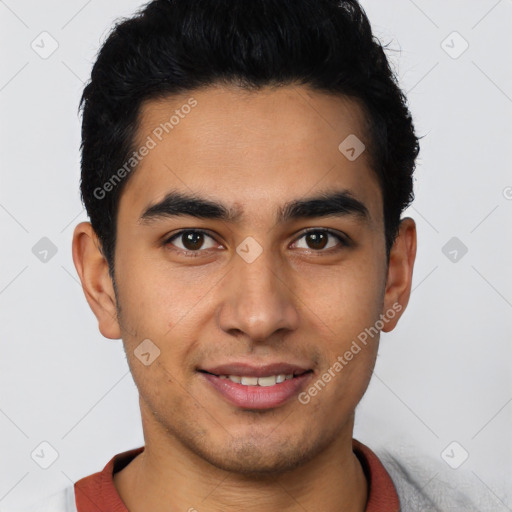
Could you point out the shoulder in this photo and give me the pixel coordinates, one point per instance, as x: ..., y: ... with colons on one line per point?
x: 426, y: 485
x: 62, y: 501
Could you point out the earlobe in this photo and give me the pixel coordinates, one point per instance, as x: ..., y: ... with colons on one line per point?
x: 399, y: 276
x: 92, y: 268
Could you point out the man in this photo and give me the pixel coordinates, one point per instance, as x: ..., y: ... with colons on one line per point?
x: 244, y: 167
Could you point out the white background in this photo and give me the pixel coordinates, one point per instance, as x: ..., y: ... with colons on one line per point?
x: 443, y: 375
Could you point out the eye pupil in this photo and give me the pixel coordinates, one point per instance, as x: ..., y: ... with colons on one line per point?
x: 194, y: 238
x: 317, y: 237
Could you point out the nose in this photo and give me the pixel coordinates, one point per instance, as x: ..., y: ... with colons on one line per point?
x: 258, y: 298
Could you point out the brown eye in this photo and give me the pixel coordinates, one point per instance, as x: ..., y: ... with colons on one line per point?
x: 191, y: 240
x: 318, y: 239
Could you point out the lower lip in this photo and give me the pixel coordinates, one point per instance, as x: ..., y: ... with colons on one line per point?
x: 258, y: 397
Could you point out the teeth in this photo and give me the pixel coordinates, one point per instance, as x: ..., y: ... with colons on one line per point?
x: 267, y: 381
x: 271, y: 380
x: 249, y: 381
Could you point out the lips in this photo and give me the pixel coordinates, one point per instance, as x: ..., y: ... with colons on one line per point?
x: 259, y: 387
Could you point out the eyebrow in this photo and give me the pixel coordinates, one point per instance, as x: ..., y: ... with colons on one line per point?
x: 339, y: 203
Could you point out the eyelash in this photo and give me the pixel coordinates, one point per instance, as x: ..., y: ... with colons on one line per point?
x: 344, y: 242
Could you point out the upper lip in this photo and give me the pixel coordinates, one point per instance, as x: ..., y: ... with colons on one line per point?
x: 244, y: 369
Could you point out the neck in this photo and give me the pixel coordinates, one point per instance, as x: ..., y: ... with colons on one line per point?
x: 167, y: 477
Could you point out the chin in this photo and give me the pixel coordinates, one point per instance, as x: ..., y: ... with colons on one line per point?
x: 260, y: 459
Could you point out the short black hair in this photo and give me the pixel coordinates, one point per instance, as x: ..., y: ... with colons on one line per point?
x: 176, y: 46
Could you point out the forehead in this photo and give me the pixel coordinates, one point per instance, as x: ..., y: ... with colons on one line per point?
x: 252, y: 149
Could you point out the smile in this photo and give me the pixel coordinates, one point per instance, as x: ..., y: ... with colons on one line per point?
x: 265, y: 392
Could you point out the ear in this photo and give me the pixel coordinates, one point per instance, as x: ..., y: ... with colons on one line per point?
x: 92, y: 268
x: 399, y: 276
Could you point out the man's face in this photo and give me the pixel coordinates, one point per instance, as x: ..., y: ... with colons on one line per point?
x: 255, y: 290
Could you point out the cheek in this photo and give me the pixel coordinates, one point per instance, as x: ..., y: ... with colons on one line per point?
x: 157, y: 304
x: 345, y: 298
x: 160, y: 389
x: 346, y: 309
x: 155, y: 296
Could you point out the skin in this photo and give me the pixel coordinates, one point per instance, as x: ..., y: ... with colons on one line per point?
x: 297, y: 301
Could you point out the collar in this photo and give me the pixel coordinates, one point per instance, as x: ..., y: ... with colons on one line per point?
x: 97, y: 493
